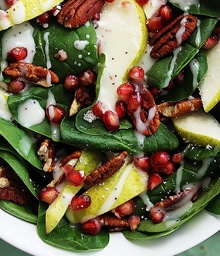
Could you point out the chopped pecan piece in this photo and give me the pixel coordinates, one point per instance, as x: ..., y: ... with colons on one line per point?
x: 14, y: 194
x: 75, y: 13
x: 4, y: 182
x: 107, y: 170
x: 34, y: 74
x: 172, y: 35
x: 179, y: 108
x: 146, y: 119
x: 113, y: 222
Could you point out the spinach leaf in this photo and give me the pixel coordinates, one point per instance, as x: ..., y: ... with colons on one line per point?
x: 204, y: 7
x: 21, y: 142
x: 69, y: 237
x: 24, y: 212
x: 199, y: 153
x: 214, y: 206
x: 168, y: 67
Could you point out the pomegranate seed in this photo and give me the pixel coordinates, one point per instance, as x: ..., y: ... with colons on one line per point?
x: 168, y: 168
x: 9, y: 2
x: 134, y: 221
x: 124, y: 209
x: 134, y: 102
x: 111, y: 120
x: 75, y: 177
x: 154, y: 24
x: 125, y: 90
x: 55, y: 113
x: 16, y: 86
x: 91, y: 227
x: 121, y: 108
x: 166, y: 13
x: 136, y: 74
x: 154, y: 180
x: 17, y: 54
x: 86, y: 78
x: 159, y: 159
x: 142, y: 163
x: 211, y: 41
x: 157, y: 215
x: 142, y: 2
x: 48, y: 194
x: 44, y: 19
x: 155, y: 91
x: 179, y: 78
x: 177, y: 158
x: 80, y: 202
x: 61, y: 55
x: 97, y: 110
x: 70, y: 82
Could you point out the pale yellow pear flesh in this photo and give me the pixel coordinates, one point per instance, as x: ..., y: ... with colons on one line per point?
x: 210, y: 86
x: 199, y: 128
x: 123, y: 38
x: 125, y: 184
x: 24, y: 10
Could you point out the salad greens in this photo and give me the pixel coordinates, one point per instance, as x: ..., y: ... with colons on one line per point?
x: 19, y: 144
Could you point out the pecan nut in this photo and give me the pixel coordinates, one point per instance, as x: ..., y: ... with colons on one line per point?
x: 179, y: 108
x: 172, y: 35
x: 146, y: 118
x: 75, y: 13
x: 113, y: 223
x: 107, y: 170
x: 34, y: 74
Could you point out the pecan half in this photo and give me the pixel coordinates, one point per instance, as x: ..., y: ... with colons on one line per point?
x: 34, y: 74
x: 172, y: 35
x: 146, y: 118
x: 113, y: 223
x: 179, y: 108
x: 14, y: 194
x: 75, y: 13
x: 107, y: 170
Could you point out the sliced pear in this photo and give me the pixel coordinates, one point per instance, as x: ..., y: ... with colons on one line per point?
x: 24, y: 10
x: 123, y: 39
x: 125, y: 184
x: 210, y: 85
x: 88, y: 161
x: 4, y: 111
x: 198, y: 127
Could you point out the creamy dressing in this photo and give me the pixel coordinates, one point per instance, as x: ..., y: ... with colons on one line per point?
x: 81, y: 44
x: 4, y: 111
x: 25, y: 145
x: 181, y: 31
x: 30, y: 113
x: 194, y: 67
x: 146, y: 200
x: 198, y: 34
x: 179, y: 173
x: 202, y: 170
x: 186, y: 4
x: 152, y: 6
x: 46, y: 39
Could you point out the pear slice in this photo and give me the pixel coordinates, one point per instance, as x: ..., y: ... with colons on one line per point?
x: 24, y: 10
x: 88, y: 161
x: 125, y: 184
x: 123, y: 38
x: 210, y: 85
x: 198, y: 127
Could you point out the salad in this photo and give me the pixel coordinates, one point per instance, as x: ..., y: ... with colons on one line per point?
x: 109, y: 117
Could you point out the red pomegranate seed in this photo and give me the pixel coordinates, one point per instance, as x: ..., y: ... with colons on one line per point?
x: 159, y: 159
x: 142, y: 163
x: 48, y: 194
x: 44, y: 19
x: 154, y: 24
x: 121, y: 108
x: 17, y: 54
x: 168, y: 168
x: 134, y: 102
x: 177, y: 158
x: 157, y: 215
x: 55, y: 113
x: 166, y: 13
x: 125, y: 90
x: 136, y: 74
x: 142, y: 2
x: 134, y: 221
x: 97, y: 110
x: 211, y: 41
x: 80, y: 202
x: 16, y: 86
x: 9, y: 2
x: 71, y: 82
x: 154, y: 180
x: 75, y: 177
x: 155, y: 91
x: 124, y: 209
x: 86, y: 78
x: 91, y: 227
x: 111, y: 121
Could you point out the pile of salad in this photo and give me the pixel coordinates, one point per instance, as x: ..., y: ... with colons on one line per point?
x: 111, y: 125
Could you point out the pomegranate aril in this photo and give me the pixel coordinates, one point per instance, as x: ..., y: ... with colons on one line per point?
x: 92, y: 226
x: 159, y: 159
x: 17, y: 54
x: 166, y: 13
x: 154, y: 180
x: 157, y: 215
x: 44, y: 19
x: 177, y: 158
x: 124, y: 209
x: 142, y: 2
x: 134, y: 221
x: 211, y: 41
x: 142, y: 163
x: 9, y: 2
x: 71, y: 82
x: 97, y: 110
x: 121, y: 108
x: 134, y: 102
x: 136, y: 74
x: 168, y: 168
x: 80, y: 202
x: 55, y: 113
x: 86, y: 78
x: 154, y: 24
x: 16, y: 86
x: 111, y: 120
x: 48, y: 194
x: 125, y: 90
x: 75, y: 177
